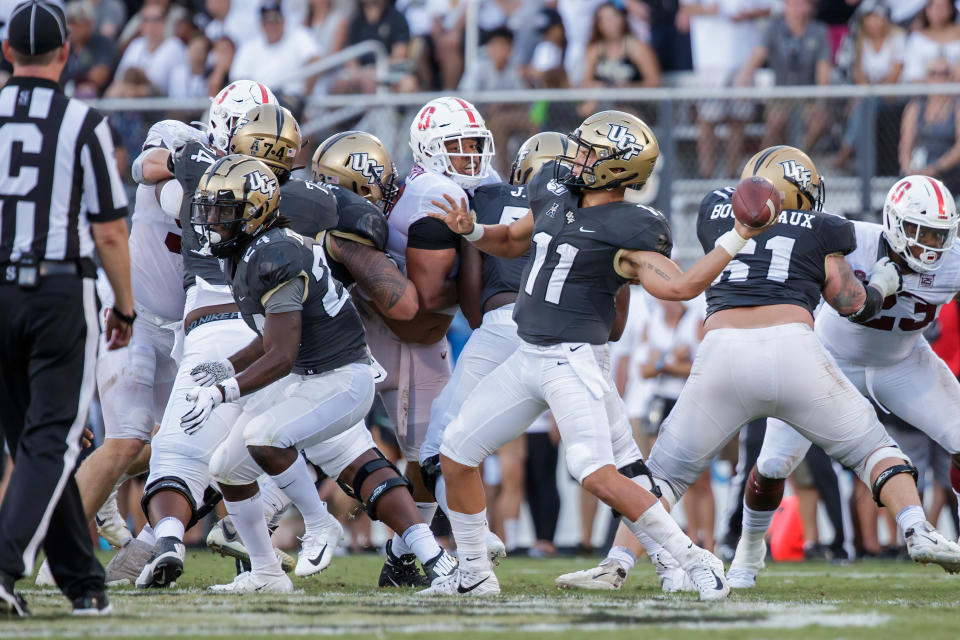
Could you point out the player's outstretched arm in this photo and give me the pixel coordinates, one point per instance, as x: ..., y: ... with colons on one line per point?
x: 665, y: 280
x: 152, y: 166
x: 851, y: 298
x: 503, y: 240
x: 378, y: 277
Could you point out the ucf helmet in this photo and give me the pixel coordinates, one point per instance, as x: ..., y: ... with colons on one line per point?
x: 236, y: 200
x: 537, y: 151
x: 271, y: 134
x: 793, y: 173
x: 358, y: 161
x: 625, y: 148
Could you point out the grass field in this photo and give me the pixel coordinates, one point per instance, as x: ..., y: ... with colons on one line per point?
x: 873, y: 600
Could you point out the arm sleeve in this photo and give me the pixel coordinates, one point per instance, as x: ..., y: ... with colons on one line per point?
x: 430, y: 233
x: 286, y: 297
x: 103, y: 193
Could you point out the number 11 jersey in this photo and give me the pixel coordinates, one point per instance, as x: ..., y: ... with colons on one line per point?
x: 889, y: 337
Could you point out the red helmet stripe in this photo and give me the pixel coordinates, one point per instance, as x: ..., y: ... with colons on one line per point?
x: 940, y: 203
x: 264, y: 99
x: 225, y: 94
x: 469, y: 110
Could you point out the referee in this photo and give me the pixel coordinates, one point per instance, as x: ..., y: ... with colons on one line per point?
x: 60, y: 197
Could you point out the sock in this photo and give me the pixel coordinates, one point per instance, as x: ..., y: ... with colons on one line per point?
x: 910, y: 517
x: 663, y: 529
x: 427, y: 511
x: 398, y: 546
x: 147, y: 535
x: 624, y: 556
x: 440, y: 493
x: 420, y: 540
x: 295, y: 482
x: 510, y: 528
x: 650, y: 545
x: 274, y: 500
x: 470, y: 532
x: 169, y: 527
x: 247, y: 518
x: 755, y: 524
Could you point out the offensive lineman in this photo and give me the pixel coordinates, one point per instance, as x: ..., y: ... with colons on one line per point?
x: 886, y: 358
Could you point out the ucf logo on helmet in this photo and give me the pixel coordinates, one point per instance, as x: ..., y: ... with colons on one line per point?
x: 624, y: 140
x: 796, y: 173
x: 259, y: 181
x: 367, y: 167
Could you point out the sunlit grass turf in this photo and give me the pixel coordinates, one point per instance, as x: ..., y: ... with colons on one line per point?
x: 873, y: 600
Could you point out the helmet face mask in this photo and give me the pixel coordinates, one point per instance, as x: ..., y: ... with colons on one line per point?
x: 449, y: 137
x: 230, y: 105
x: 612, y: 149
x: 920, y: 222
x: 358, y: 161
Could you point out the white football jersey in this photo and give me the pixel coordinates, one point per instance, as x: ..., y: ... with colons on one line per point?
x: 889, y: 337
x: 419, y: 188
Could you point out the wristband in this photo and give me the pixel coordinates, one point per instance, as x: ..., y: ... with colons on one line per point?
x: 476, y: 234
x: 170, y: 165
x: 731, y: 242
x: 230, y: 389
x: 124, y: 318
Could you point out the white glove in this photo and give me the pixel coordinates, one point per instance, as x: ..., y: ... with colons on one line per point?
x: 211, y: 372
x: 205, y: 400
x: 886, y: 277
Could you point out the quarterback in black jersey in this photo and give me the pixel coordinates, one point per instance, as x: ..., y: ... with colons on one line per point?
x: 760, y: 356
x: 588, y: 241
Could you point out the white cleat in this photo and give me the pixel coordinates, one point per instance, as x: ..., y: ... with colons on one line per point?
x: 464, y: 583
x: 316, y: 550
x: 110, y: 524
x: 495, y: 548
x: 925, y: 544
x: 707, y: 576
x: 249, y: 582
x: 129, y: 561
x: 223, y: 539
x: 672, y: 576
x: 45, y: 576
x: 608, y: 576
x: 747, y: 563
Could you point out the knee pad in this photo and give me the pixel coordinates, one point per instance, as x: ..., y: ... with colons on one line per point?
x: 773, y: 468
x: 865, y: 469
x: 888, y: 473
x: 640, y: 474
x: 430, y: 472
x: 169, y: 483
x: 354, y: 488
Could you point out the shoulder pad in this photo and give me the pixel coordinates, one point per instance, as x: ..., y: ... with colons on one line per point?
x: 190, y: 162
x: 310, y: 207
x: 273, y: 260
x: 717, y: 197
x: 360, y: 220
x: 639, y: 227
x: 836, y: 234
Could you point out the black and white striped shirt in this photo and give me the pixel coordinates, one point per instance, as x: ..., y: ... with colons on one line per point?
x: 57, y: 173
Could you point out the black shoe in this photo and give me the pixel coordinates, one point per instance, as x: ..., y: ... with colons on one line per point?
x: 165, y: 566
x: 442, y: 564
x: 92, y: 605
x: 402, y: 571
x: 11, y: 602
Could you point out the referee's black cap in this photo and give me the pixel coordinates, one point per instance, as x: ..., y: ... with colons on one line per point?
x: 36, y: 27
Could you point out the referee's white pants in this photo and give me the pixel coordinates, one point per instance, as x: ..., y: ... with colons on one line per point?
x: 740, y: 375
x: 488, y: 347
x: 920, y: 390
x: 296, y: 411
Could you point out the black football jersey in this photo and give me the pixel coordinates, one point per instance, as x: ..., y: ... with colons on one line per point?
x: 568, y: 287
x: 783, y: 265
x: 190, y: 163
x: 309, y: 206
x: 359, y: 220
x: 331, y: 332
x: 500, y: 203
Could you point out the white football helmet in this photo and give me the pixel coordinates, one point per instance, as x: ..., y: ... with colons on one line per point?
x: 920, y: 212
x: 232, y: 103
x: 451, y: 119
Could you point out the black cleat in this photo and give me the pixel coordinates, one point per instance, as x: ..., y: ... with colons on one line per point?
x: 92, y: 605
x: 12, y: 603
x: 165, y: 566
x: 442, y: 564
x: 402, y: 571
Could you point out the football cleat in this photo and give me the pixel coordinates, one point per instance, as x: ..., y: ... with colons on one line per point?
x: 249, y: 582
x: 316, y: 550
x: 11, y: 602
x: 401, y: 571
x: 45, y: 576
x: 95, y: 605
x: 608, y: 576
x: 747, y: 563
x: 441, y: 565
x: 464, y: 583
x: 223, y: 539
x: 925, y: 544
x: 165, y: 566
x: 707, y: 577
x: 110, y: 524
x: 128, y: 562
x: 495, y: 548
x: 672, y: 577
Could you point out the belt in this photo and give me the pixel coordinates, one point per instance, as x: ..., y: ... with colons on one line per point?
x: 9, y: 271
x: 212, y: 317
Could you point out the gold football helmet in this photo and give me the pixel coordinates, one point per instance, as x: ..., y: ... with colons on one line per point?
x: 236, y: 200
x: 613, y: 149
x: 793, y: 173
x: 270, y: 133
x: 537, y: 151
x: 360, y: 162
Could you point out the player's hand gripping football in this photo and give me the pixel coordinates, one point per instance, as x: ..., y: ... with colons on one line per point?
x: 456, y: 214
x: 205, y: 400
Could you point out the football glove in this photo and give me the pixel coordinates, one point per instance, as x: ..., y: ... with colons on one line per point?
x: 886, y: 277
x: 211, y: 372
x: 205, y: 400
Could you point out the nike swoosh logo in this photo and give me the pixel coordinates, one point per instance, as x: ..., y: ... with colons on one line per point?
x: 579, y: 346
x: 599, y: 575
x: 316, y: 561
x: 587, y: 230
x: 261, y: 587
x: 719, y: 586
x: 228, y: 535
x: 99, y: 521
x: 241, y: 298
x: 460, y: 588
x: 933, y: 540
x: 472, y: 559
x: 285, y: 486
x: 560, y: 363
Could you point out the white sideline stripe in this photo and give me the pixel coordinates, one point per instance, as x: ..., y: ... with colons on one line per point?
x: 73, y: 435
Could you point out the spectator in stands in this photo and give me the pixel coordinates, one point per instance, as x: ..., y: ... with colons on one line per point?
x: 929, y: 141
x: 154, y: 52
x: 92, y: 55
x: 275, y: 56
x: 614, y: 57
x: 722, y: 35
x: 189, y: 78
x: 836, y: 14
x: 797, y: 50
x: 938, y: 37
x: 109, y: 17
x: 548, y: 54
x: 578, y: 22
x: 219, y: 24
x: 173, y: 14
x: 221, y: 59
x: 327, y: 20
x: 376, y: 20
x: 878, y: 59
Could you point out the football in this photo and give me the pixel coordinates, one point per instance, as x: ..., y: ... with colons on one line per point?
x: 756, y: 202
